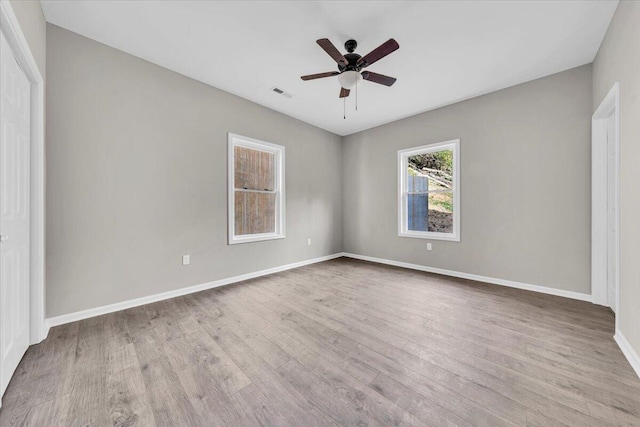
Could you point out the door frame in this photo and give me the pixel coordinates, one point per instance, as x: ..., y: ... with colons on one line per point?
x: 609, y: 106
x: 10, y: 27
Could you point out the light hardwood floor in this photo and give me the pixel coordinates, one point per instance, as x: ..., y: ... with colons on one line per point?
x: 343, y: 342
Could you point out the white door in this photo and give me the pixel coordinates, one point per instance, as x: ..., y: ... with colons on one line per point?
x: 14, y: 213
x: 612, y: 215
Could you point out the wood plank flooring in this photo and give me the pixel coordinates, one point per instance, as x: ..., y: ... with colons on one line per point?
x: 343, y: 342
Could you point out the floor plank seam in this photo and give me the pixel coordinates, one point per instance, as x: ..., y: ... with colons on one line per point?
x: 342, y: 342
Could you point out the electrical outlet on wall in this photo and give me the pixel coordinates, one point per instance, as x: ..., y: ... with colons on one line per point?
x: 309, y: 241
x: 186, y: 259
x: 429, y: 247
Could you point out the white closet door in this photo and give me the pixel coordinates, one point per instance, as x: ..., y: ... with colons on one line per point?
x: 14, y: 213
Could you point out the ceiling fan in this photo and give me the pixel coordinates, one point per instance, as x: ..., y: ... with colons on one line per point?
x: 350, y: 65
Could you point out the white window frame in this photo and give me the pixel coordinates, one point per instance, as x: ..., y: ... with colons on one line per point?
x: 235, y: 140
x: 403, y: 156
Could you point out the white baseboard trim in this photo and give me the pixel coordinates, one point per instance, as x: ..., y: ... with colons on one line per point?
x: 46, y: 326
x: 105, y: 309
x: 501, y: 282
x: 628, y: 351
x: 98, y: 311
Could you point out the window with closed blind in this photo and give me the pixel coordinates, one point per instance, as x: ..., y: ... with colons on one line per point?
x: 256, y: 190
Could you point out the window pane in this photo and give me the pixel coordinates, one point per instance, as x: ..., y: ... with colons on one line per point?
x: 417, y: 212
x: 430, y: 212
x: 440, y: 214
x: 255, y: 212
x: 254, y: 169
x: 417, y: 183
x: 430, y: 171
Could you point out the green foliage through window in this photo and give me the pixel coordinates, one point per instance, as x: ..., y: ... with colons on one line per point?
x: 440, y: 161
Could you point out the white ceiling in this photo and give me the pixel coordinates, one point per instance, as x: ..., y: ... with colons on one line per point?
x: 449, y: 50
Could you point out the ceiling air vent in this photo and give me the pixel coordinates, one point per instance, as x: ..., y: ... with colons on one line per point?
x: 281, y: 92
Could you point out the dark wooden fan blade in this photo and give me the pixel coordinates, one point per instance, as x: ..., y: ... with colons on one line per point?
x: 320, y: 75
x: 344, y: 92
x: 378, y: 78
x: 332, y: 51
x: 378, y: 53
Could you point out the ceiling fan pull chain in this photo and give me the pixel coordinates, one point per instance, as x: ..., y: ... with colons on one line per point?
x: 344, y: 108
x: 356, y: 97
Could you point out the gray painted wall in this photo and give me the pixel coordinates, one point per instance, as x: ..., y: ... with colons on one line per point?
x: 34, y: 27
x: 619, y: 60
x: 525, y: 182
x: 136, y: 177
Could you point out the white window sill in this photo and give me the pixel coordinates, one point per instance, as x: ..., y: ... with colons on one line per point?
x: 255, y: 238
x: 430, y: 235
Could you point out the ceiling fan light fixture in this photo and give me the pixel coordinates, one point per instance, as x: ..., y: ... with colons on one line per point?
x: 349, y: 79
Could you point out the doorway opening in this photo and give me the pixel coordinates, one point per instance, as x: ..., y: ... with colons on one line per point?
x: 605, y: 202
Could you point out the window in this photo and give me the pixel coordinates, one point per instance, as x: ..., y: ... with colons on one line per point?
x: 429, y: 191
x: 256, y: 190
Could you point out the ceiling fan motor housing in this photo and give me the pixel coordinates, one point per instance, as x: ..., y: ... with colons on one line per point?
x: 352, y: 58
x: 352, y: 62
